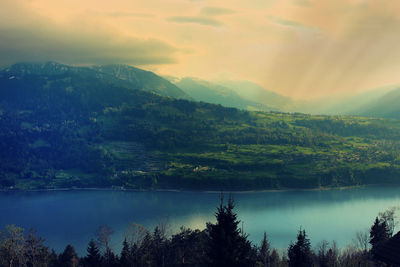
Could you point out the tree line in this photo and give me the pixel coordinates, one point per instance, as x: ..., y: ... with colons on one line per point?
x: 223, y: 243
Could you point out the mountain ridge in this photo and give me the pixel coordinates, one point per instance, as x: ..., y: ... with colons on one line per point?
x: 117, y: 74
x: 201, y: 90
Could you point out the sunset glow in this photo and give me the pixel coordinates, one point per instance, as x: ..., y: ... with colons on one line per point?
x: 299, y: 48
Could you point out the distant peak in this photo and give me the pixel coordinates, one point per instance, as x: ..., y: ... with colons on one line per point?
x: 38, y: 64
x: 121, y: 66
x: 49, y: 67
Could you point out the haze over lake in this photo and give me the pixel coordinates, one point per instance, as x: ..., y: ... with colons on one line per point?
x: 64, y: 217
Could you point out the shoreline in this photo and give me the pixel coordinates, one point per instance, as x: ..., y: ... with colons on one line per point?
x: 197, y: 191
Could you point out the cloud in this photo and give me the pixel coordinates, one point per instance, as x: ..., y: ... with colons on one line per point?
x: 305, y: 48
x: 303, y: 3
x: 197, y: 20
x: 355, y: 49
x: 67, y: 47
x: 216, y: 11
x: 374, y: 28
x: 80, y: 41
x: 206, y: 17
x: 291, y: 23
x: 288, y: 23
x: 129, y: 14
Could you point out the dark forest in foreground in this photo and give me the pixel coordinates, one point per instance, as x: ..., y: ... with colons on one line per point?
x: 221, y: 244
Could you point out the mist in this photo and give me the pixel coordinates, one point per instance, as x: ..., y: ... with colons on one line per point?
x: 300, y: 49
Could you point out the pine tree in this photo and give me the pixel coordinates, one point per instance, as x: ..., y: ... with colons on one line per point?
x: 300, y: 254
x: 159, y: 247
x: 274, y: 258
x: 135, y: 254
x: 53, y: 259
x: 228, y: 246
x: 68, y: 258
x: 93, y: 257
x: 145, y: 251
x: 126, y: 257
x: 379, y: 234
x: 110, y: 259
x: 188, y: 248
x: 264, y: 253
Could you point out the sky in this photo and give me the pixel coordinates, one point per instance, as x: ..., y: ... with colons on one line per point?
x: 299, y: 48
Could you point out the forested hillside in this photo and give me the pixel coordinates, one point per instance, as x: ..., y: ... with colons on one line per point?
x: 81, y: 127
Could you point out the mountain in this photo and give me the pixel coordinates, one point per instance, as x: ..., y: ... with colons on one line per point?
x: 118, y: 75
x: 143, y: 80
x: 386, y: 105
x: 377, y: 102
x: 63, y: 126
x: 255, y: 92
x: 349, y: 104
x: 205, y: 91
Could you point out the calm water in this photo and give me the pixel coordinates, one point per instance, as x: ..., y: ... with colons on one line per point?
x: 63, y: 217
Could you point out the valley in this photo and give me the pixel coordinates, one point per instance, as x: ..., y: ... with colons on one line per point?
x: 66, y: 126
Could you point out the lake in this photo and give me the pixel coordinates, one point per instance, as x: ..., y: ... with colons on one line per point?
x: 72, y: 216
